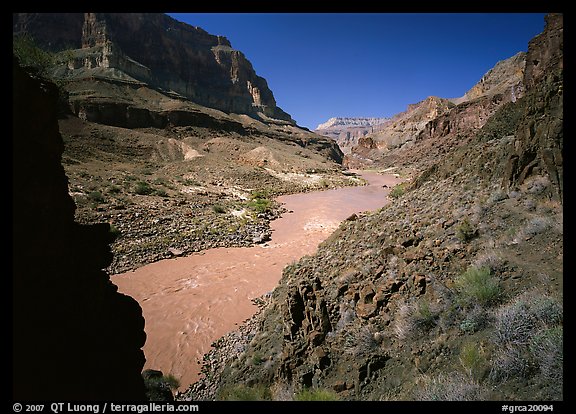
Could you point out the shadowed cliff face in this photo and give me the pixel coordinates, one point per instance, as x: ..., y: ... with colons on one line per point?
x: 74, y: 336
x: 538, y: 145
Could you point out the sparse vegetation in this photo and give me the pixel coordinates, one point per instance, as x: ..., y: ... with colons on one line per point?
x: 316, y: 394
x: 159, y: 387
x: 218, y: 209
x: 472, y: 360
x: 455, y: 387
x: 96, y: 197
x: 415, y: 319
x: 242, y: 392
x: 465, y: 232
x: 398, y: 190
x: 477, y: 286
x: 30, y: 55
x: 143, y: 188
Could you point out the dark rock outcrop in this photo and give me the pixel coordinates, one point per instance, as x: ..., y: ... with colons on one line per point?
x: 539, y: 137
x: 74, y: 336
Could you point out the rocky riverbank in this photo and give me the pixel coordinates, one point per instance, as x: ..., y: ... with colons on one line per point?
x: 189, y: 216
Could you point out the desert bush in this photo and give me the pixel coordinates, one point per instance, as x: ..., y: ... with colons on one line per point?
x: 497, y: 195
x: 509, y: 361
x: 159, y: 387
x: 538, y: 184
x: 528, y: 333
x: 547, y: 349
x: 360, y: 341
x: 114, y: 189
x: 415, y: 319
x: 490, y: 259
x: 472, y: 360
x: 465, y: 232
x: 518, y: 321
x: 478, y: 286
x: 30, y: 55
x: 536, y: 225
x: 514, y: 323
x: 143, y: 188
x: 161, y: 192
x: 398, y: 190
x: 476, y: 319
x: 96, y: 197
x: 317, y: 394
x: 114, y: 231
x: 218, y: 209
x: 242, y: 392
x: 454, y: 387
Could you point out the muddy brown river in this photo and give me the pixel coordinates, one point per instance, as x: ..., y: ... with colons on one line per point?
x: 189, y: 302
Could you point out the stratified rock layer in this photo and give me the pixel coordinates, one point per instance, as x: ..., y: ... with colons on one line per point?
x: 155, y: 49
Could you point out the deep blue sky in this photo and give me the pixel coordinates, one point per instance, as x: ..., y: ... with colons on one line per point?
x: 320, y: 65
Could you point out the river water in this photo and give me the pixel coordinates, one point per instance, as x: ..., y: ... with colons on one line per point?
x: 189, y: 302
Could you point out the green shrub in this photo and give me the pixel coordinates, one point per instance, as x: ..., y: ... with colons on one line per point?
x: 465, y: 232
x: 114, y: 189
x: 96, y: 197
x: 30, y: 55
x: 478, y: 286
x: 218, y: 209
x: 244, y: 393
x: 159, y: 387
x: 143, y: 188
x: 114, y: 231
x: 398, y: 190
x: 316, y: 394
x: 472, y: 360
x: 260, y: 205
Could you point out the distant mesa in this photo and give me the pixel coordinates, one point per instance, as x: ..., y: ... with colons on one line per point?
x: 351, y: 122
x: 347, y: 131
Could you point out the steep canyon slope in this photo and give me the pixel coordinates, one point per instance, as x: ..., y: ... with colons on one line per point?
x: 163, y: 117
x: 452, y: 292
x: 436, y: 123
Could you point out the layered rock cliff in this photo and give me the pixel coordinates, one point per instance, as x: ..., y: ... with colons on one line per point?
x: 347, y: 131
x: 155, y: 49
x: 74, y: 336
